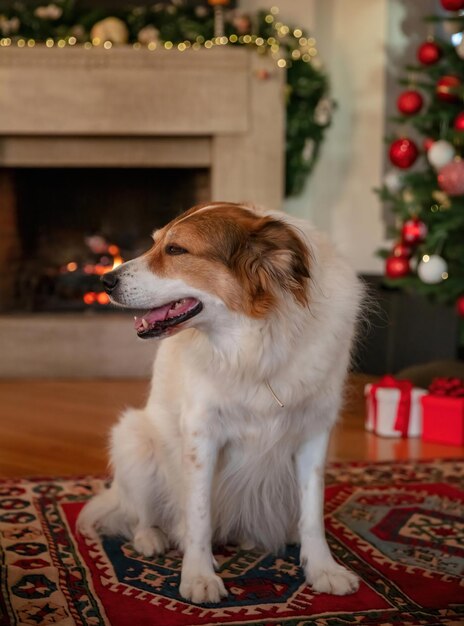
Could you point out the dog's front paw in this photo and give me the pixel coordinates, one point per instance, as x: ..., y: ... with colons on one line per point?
x: 332, y: 578
x: 150, y: 541
x: 200, y: 588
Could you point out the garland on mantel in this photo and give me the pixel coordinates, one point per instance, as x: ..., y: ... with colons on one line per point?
x: 177, y: 24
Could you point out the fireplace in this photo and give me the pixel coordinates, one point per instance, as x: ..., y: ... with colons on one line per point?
x: 98, y: 148
x: 75, y: 224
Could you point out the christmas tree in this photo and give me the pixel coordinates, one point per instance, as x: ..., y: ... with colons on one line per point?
x: 425, y: 190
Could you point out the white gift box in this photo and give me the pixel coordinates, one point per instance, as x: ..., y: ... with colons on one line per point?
x: 388, y: 399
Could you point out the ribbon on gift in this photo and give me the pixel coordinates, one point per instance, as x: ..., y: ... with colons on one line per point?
x: 404, y: 405
x: 451, y: 387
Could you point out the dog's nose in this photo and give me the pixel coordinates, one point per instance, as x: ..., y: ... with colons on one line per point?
x: 110, y: 281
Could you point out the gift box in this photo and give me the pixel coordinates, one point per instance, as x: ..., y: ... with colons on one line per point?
x: 393, y: 408
x: 443, y: 412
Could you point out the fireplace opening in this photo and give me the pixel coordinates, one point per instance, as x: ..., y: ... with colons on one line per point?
x: 74, y: 224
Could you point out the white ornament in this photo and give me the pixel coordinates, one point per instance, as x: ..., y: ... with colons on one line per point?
x: 323, y: 112
x: 110, y: 29
x: 432, y: 269
x: 393, y: 181
x: 440, y: 153
x: 49, y: 12
x: 148, y: 34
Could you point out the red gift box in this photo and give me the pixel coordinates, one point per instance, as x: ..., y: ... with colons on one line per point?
x: 443, y: 412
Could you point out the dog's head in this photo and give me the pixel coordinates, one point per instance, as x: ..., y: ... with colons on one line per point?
x: 213, y: 256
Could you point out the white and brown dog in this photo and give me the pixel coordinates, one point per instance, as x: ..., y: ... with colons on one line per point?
x: 232, y: 442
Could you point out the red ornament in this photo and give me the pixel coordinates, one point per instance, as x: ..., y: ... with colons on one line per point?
x: 460, y: 306
x: 409, y: 102
x: 403, y: 153
x: 445, y: 88
x: 451, y: 178
x: 414, y: 231
x: 400, y: 249
x: 396, y: 266
x: 452, y: 5
x: 428, y: 143
x: 459, y: 121
x: 429, y: 53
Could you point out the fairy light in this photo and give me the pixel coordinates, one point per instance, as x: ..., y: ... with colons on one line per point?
x: 444, y: 275
x: 304, y: 48
x: 426, y: 258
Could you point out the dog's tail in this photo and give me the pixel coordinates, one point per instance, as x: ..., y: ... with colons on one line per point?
x: 104, y: 514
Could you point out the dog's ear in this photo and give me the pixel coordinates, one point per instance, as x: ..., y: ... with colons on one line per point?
x: 274, y: 259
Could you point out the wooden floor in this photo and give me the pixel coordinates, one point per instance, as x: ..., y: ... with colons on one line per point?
x: 61, y: 427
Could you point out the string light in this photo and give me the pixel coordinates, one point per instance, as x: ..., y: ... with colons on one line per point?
x: 305, y: 51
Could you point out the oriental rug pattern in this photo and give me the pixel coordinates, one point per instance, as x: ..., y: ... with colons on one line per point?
x: 400, y: 526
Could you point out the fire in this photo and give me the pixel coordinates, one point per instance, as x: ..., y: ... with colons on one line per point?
x: 117, y: 261
x: 89, y: 297
x: 103, y: 298
x: 95, y: 297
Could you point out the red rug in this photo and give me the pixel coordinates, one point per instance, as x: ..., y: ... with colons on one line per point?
x: 399, y: 526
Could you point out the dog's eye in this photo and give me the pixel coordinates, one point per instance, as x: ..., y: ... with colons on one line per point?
x: 174, y: 250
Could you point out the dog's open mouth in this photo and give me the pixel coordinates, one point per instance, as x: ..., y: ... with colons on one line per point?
x: 158, y: 321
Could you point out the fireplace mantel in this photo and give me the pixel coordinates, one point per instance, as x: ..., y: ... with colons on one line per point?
x: 221, y: 108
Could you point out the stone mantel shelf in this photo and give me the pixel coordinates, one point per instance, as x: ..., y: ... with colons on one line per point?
x: 74, y: 107
x: 125, y: 107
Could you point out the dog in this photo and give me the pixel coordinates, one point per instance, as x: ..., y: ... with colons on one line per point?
x: 259, y: 312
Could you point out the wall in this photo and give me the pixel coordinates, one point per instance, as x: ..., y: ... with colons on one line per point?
x: 351, y: 37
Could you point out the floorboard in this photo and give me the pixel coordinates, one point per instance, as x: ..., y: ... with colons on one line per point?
x: 59, y: 427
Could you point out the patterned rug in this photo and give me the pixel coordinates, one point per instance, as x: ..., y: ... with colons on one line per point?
x: 399, y: 526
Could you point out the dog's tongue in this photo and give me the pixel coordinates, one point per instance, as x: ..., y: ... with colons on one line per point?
x: 161, y: 313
